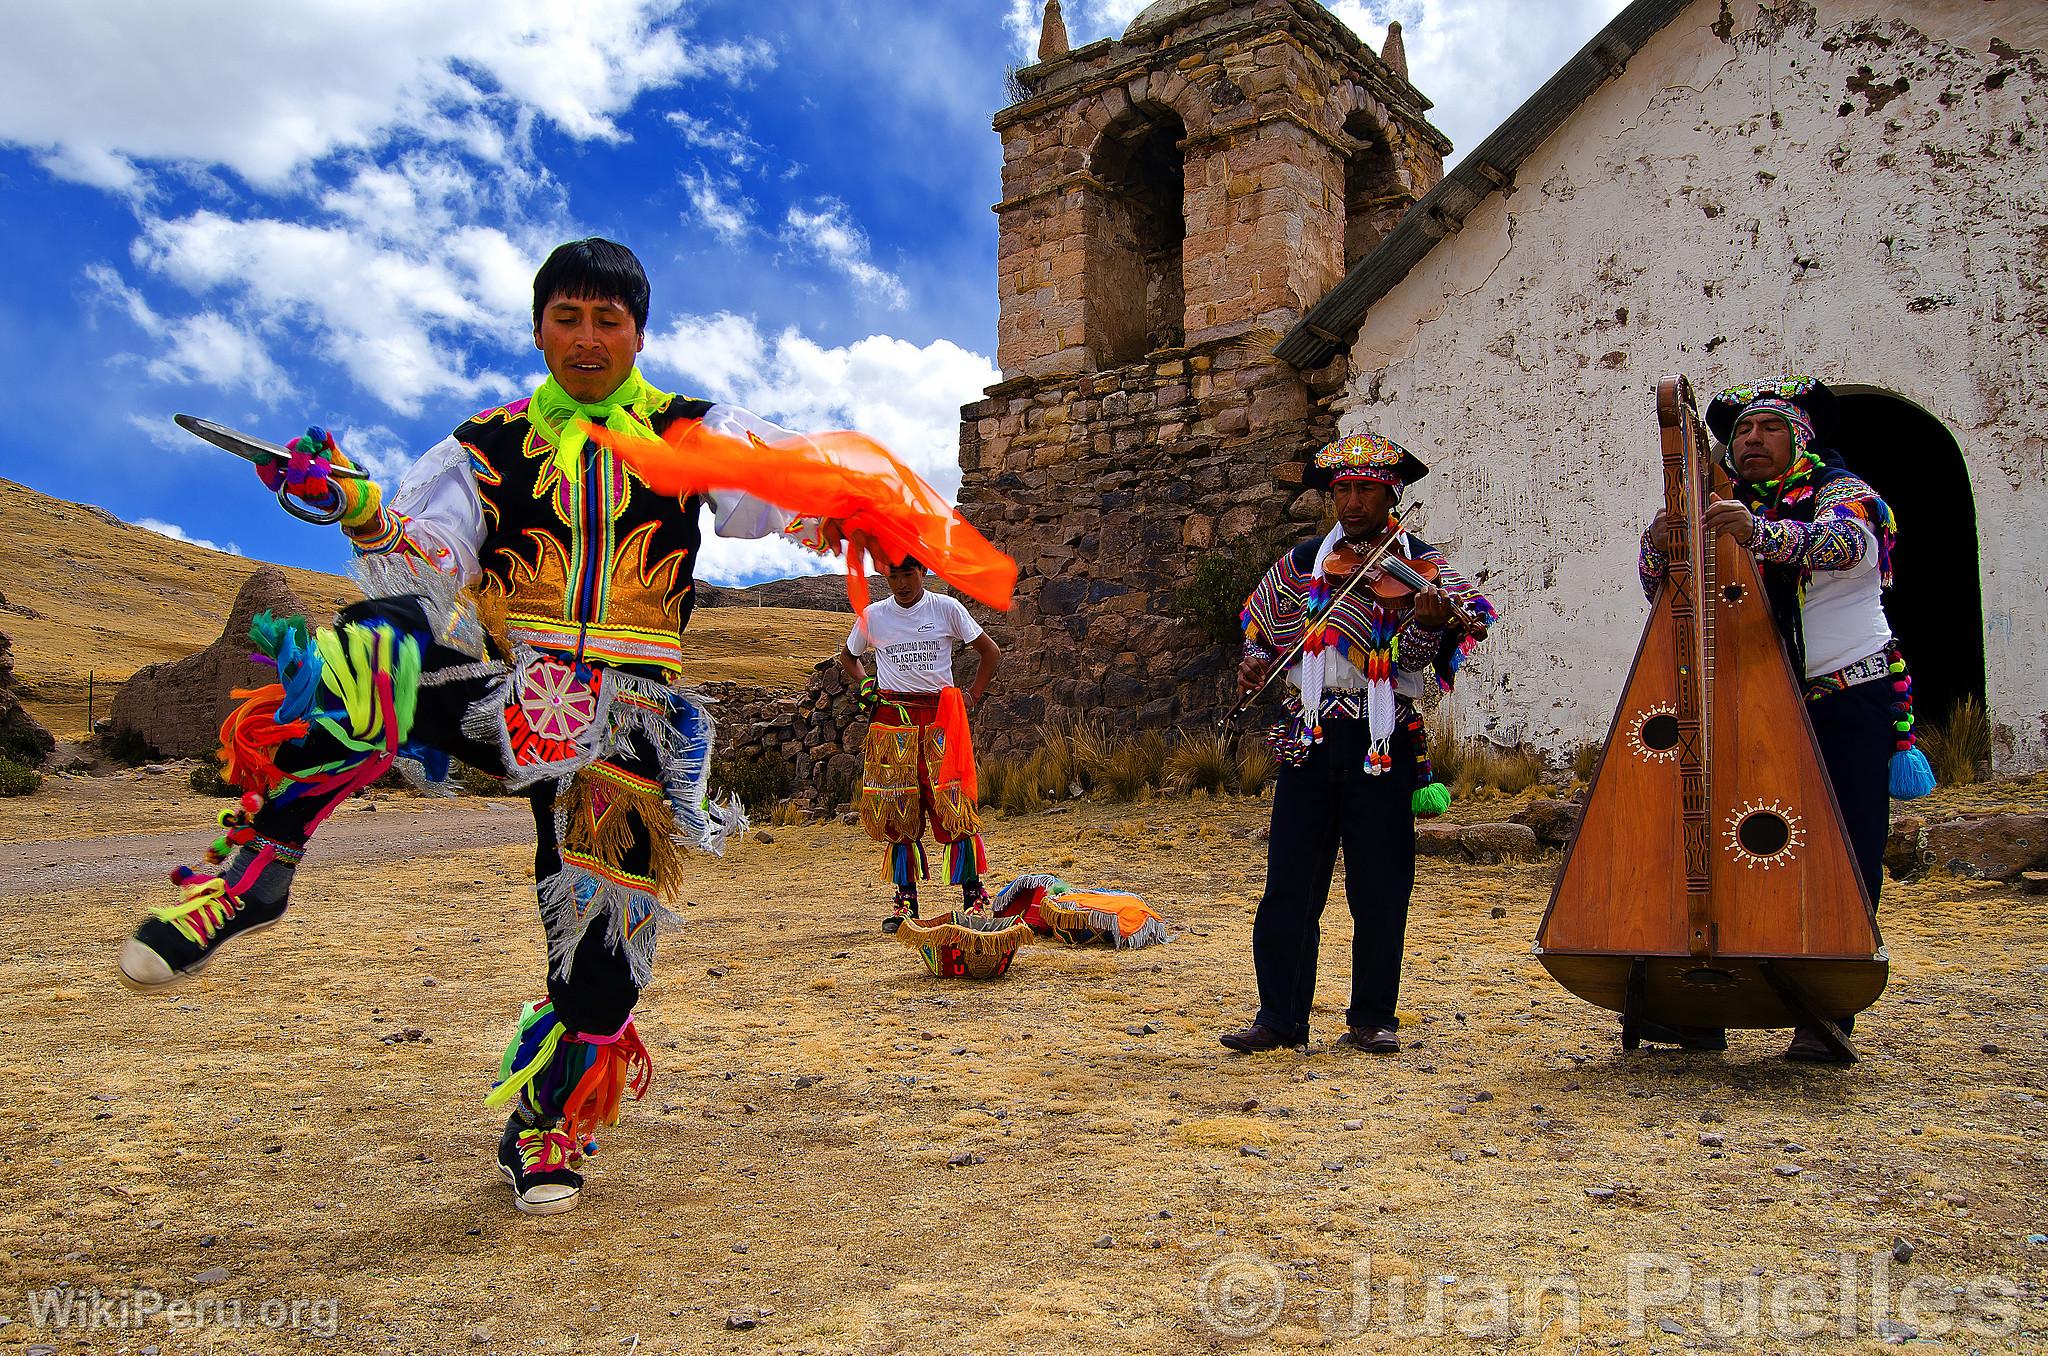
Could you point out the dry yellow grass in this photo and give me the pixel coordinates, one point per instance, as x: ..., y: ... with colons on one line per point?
x: 793, y: 1156
x: 87, y: 592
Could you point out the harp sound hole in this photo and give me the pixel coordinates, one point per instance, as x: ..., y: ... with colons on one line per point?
x: 1733, y: 593
x: 1763, y: 834
x: 1708, y: 978
x: 1660, y: 733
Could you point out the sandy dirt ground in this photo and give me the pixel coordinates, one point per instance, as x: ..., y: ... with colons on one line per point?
x: 854, y: 1156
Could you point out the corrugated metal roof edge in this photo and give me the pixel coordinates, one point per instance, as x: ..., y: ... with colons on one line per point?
x: 1329, y: 325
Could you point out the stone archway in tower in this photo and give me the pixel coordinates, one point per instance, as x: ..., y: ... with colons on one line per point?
x: 1374, y: 195
x: 1135, y: 297
x: 1935, y: 603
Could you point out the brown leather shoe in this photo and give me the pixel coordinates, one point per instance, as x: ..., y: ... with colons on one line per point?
x: 1256, y: 1039
x: 1373, y: 1040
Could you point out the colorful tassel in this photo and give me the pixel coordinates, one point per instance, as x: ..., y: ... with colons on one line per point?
x: 1430, y: 801
x: 1911, y: 775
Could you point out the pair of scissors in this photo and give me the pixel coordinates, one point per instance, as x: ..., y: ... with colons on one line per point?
x: 259, y: 451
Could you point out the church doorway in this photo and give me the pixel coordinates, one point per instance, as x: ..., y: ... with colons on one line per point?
x: 1935, y: 603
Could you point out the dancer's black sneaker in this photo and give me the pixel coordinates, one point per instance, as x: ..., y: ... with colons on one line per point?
x: 535, y: 1160
x: 179, y: 939
x: 906, y: 907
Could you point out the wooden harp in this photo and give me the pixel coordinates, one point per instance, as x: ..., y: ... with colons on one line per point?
x: 1711, y: 881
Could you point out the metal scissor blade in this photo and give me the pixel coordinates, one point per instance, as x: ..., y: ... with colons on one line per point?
x: 246, y: 447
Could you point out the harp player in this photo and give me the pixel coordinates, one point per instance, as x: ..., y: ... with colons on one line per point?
x: 1822, y: 539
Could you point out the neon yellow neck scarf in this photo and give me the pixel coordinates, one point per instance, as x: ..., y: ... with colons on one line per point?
x: 558, y: 416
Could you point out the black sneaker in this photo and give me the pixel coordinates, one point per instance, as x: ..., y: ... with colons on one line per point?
x: 535, y: 1160
x: 906, y: 907
x: 178, y: 939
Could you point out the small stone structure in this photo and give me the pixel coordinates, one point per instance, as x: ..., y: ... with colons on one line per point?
x: 1168, y: 198
x: 22, y: 738
x: 178, y: 706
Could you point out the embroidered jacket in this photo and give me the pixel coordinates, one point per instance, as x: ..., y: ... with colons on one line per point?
x: 1840, y: 560
x: 593, y: 564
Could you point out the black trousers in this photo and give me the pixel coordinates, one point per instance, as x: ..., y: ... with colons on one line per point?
x: 1854, y: 730
x: 600, y: 993
x: 1326, y: 803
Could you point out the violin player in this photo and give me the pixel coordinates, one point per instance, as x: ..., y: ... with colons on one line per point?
x: 1357, y: 649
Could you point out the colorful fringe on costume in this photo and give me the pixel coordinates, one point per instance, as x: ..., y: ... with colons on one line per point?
x: 573, y: 1076
x: 922, y: 764
x: 1078, y: 917
x: 372, y: 671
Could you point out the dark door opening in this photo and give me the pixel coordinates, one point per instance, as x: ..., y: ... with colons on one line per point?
x: 1935, y: 603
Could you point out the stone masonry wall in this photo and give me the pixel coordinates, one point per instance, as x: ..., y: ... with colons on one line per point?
x: 1106, y: 489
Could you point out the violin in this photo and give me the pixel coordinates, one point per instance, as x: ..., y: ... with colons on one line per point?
x: 1394, y: 579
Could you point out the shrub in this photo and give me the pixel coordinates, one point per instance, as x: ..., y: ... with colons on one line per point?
x: 1586, y: 760
x: 1959, y: 749
x: 16, y: 779
x: 1221, y: 579
x: 128, y: 746
x: 1135, y: 765
x: 1255, y: 765
x: 759, y: 777
x: 208, y: 781
x: 474, y: 781
x: 1201, y: 763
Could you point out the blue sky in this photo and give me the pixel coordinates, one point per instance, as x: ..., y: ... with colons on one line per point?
x: 329, y: 211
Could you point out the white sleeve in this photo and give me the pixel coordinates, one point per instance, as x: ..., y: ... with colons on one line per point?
x: 743, y: 515
x: 439, y: 513
x: 965, y: 628
x: 857, y: 642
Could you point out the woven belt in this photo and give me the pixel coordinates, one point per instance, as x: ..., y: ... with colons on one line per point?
x: 1865, y: 670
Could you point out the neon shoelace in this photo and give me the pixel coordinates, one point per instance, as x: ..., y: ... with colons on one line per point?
x: 543, y: 1150
x: 205, y: 910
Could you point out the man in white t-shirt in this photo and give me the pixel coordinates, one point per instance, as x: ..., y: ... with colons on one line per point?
x: 916, y: 713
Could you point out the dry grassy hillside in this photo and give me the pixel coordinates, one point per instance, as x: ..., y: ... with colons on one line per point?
x: 87, y: 592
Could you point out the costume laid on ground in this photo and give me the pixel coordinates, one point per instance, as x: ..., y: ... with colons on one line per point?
x: 1824, y: 539
x: 580, y: 579
x: 1354, y: 755
x: 919, y: 751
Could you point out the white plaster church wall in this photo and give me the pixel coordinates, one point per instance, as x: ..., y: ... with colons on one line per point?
x: 1714, y: 211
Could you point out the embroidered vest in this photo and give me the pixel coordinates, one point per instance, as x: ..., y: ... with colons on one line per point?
x: 595, y: 564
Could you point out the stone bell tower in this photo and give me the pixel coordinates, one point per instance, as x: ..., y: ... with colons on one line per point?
x: 1170, y: 198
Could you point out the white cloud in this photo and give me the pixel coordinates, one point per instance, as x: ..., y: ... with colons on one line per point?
x: 905, y: 396
x: 207, y: 347
x: 176, y: 533
x: 831, y: 233
x: 733, y: 142
x: 718, y: 203
x: 98, y: 89
x: 380, y: 308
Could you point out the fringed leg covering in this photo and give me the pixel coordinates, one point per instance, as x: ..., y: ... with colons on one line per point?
x: 577, y: 1078
x: 961, y: 854
x: 904, y: 865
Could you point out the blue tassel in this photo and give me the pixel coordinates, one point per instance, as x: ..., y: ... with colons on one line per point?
x: 1912, y: 778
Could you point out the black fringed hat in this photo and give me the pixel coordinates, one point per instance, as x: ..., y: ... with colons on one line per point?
x: 1364, y: 456
x: 1805, y: 401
